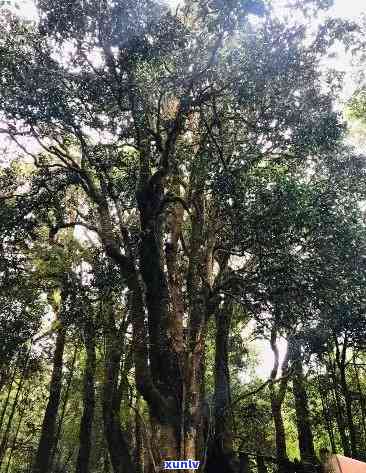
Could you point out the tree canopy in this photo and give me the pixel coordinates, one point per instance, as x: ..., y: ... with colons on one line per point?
x: 177, y: 184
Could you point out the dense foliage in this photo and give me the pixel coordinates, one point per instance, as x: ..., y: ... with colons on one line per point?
x: 177, y: 191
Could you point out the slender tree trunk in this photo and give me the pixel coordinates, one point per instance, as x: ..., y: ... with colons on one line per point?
x: 12, y: 448
x: 86, y: 423
x: 139, y: 447
x: 328, y: 421
x: 277, y: 398
x: 362, y: 398
x: 305, y: 435
x: 221, y: 453
x: 5, y: 437
x: 46, y: 442
x: 350, y: 422
x: 6, y: 403
x: 222, y: 379
x: 261, y: 466
x: 339, y: 411
x: 341, y: 424
x: 244, y: 463
x: 118, y: 448
x: 63, y: 468
x: 65, y: 400
x: 341, y: 364
x: 106, y: 462
x: 280, y: 436
x: 20, y: 420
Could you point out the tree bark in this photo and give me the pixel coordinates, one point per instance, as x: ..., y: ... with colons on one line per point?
x: 150, y: 359
x: 166, y: 368
x: 341, y: 423
x: 139, y: 447
x: 339, y: 410
x: 305, y: 435
x: 244, y: 463
x: 280, y: 436
x: 341, y: 363
x: 118, y: 448
x: 46, y: 442
x: 20, y: 420
x: 106, y: 462
x: 328, y: 421
x: 4, y: 406
x: 171, y: 382
x: 261, y: 466
x: 221, y: 452
x: 199, y: 282
x: 5, y: 437
x: 86, y: 423
x: 277, y: 398
x: 55, y: 457
x: 361, y: 394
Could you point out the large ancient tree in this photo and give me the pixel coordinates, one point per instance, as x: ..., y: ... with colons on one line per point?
x: 157, y: 130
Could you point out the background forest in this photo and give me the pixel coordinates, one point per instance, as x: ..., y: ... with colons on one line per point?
x: 182, y: 195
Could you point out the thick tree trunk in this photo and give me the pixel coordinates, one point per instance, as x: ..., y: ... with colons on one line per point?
x: 192, y: 409
x: 163, y: 322
x: 163, y: 358
x: 86, y: 423
x: 157, y: 366
x: 199, y: 280
x: 117, y: 444
x: 169, y: 380
x: 166, y: 441
x: 46, y: 442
